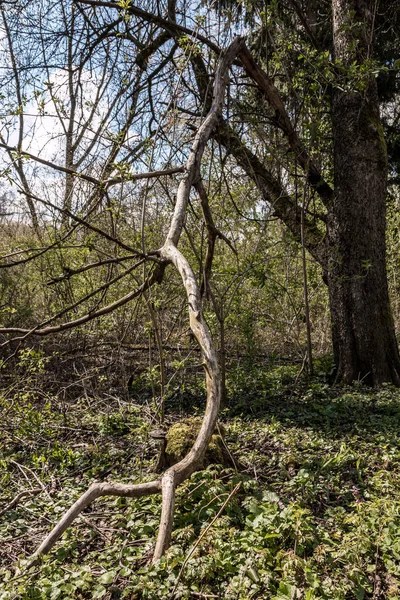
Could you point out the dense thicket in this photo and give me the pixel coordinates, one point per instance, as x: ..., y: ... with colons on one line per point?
x: 104, y: 92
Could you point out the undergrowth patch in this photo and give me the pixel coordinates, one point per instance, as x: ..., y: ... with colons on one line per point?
x: 316, y: 515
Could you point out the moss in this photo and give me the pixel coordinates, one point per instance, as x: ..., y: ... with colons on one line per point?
x: 377, y: 125
x: 181, y: 437
x: 381, y: 134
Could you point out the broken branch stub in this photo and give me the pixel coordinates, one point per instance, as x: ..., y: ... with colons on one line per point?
x: 176, y: 474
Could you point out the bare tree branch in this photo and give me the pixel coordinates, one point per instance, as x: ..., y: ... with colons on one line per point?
x: 106, y: 183
x: 68, y: 273
x: 170, y: 253
x: 166, y: 24
x: 271, y: 189
x: 84, y: 222
x: 156, y: 277
x: 266, y: 86
x: 96, y: 490
x: 212, y: 234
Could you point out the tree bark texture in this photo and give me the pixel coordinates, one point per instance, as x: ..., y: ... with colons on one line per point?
x: 365, y: 345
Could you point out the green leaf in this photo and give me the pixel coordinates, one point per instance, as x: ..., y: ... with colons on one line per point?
x: 286, y: 592
x: 107, y: 577
x: 99, y: 591
x: 359, y: 593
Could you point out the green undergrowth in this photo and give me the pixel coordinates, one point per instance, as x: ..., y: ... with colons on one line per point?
x: 310, y: 511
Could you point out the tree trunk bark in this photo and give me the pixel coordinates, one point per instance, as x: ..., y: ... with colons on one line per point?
x: 364, y: 341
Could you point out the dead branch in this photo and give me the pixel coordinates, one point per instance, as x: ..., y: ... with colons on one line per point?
x: 175, y: 475
x: 19, y: 497
x: 96, y: 490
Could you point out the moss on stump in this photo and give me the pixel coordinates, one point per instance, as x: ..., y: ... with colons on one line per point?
x: 181, y: 437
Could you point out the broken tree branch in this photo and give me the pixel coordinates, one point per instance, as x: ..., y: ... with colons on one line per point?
x: 19, y: 497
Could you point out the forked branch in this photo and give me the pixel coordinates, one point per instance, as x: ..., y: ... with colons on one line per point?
x: 176, y: 474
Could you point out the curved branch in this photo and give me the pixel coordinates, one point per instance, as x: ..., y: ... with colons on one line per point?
x: 170, y: 253
x: 96, y: 490
x: 156, y: 277
x: 201, y: 138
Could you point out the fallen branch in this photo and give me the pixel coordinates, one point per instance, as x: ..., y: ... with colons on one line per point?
x: 19, y: 497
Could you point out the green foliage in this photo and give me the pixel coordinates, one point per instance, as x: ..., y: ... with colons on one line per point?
x: 316, y: 516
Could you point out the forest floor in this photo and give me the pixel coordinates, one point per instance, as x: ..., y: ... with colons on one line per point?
x: 310, y: 505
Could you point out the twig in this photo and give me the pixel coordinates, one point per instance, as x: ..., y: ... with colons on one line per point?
x: 19, y: 497
x: 94, y: 526
x: 22, y: 468
x: 226, y: 448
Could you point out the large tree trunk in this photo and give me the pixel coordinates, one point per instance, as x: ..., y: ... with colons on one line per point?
x: 365, y: 345
x: 352, y: 252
